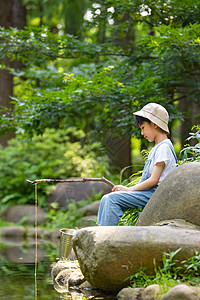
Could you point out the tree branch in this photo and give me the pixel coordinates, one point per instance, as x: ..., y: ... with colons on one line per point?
x: 102, y: 179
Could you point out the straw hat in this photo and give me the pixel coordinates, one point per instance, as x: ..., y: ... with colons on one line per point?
x: 156, y: 113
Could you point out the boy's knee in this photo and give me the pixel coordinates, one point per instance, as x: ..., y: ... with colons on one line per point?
x: 111, y: 198
x: 104, y: 198
x: 107, y: 198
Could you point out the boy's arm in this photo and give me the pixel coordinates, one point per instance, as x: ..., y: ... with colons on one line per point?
x: 151, y: 181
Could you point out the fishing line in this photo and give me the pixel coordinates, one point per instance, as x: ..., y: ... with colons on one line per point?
x: 102, y: 179
x: 35, y: 241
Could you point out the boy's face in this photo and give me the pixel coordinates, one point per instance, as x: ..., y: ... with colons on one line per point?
x: 148, y: 130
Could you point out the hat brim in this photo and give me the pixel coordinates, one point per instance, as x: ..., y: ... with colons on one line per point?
x: 153, y: 119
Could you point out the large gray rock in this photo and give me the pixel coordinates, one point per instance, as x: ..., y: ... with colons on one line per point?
x: 90, y: 209
x: 89, y: 213
x: 177, y: 197
x: 26, y: 212
x: 109, y: 255
x: 64, y: 193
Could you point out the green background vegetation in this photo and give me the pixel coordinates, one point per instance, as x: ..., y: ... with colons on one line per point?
x: 71, y: 74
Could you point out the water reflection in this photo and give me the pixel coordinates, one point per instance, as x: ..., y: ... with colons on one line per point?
x: 17, y: 273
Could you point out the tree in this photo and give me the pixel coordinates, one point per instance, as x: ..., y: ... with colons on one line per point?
x: 134, y: 52
x: 12, y: 14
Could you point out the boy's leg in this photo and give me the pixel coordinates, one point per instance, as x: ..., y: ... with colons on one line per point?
x: 113, y: 204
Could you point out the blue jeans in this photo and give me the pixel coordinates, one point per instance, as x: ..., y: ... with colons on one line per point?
x: 113, y: 204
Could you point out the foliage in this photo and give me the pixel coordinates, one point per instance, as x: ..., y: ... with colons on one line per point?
x: 192, y: 153
x: 171, y: 272
x: 153, y: 75
x: 62, y: 218
x: 57, y: 154
x: 130, y: 216
x: 68, y: 218
x: 153, y: 46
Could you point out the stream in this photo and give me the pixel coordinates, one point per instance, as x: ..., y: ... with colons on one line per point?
x: 19, y: 281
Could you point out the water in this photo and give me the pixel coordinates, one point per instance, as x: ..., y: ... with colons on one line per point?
x: 18, y: 280
x: 17, y: 273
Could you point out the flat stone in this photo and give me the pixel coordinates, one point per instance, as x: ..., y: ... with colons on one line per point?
x: 178, y: 223
x: 108, y: 255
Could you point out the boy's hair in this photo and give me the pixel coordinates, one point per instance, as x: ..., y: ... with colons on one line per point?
x: 139, y: 120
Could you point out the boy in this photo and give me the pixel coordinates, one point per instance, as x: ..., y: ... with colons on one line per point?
x: 153, y: 122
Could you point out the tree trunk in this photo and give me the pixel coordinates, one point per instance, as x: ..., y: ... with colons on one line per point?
x: 19, y: 14
x: 11, y: 15
x: 74, y: 11
x: 6, y: 79
x: 119, y: 145
x: 191, y: 111
x: 119, y: 151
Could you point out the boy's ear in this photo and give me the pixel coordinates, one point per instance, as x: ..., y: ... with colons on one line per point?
x: 155, y: 126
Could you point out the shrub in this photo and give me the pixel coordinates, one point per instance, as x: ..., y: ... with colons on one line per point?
x: 171, y: 272
x: 192, y: 153
x: 58, y: 154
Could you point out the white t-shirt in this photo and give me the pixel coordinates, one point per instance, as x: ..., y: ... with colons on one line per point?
x: 162, y: 153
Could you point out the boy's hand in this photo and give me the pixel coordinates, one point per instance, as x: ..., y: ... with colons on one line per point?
x: 118, y: 188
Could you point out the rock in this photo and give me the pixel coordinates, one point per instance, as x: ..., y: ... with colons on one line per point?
x: 12, y: 235
x: 60, y: 288
x: 130, y: 294
x: 55, y: 236
x: 108, y: 255
x: 87, y: 285
x: 75, y: 278
x: 90, y: 209
x: 41, y: 233
x: 87, y: 221
x: 26, y: 212
x: 14, y: 232
x: 65, y: 192
x: 24, y: 255
x: 178, y: 223
x: 182, y: 292
x: 89, y: 213
x: 151, y: 292
x: 177, y: 197
x: 63, y: 265
x: 69, y: 276
x: 63, y: 276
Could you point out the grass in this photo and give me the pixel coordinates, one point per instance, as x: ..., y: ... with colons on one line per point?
x: 171, y: 273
